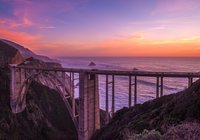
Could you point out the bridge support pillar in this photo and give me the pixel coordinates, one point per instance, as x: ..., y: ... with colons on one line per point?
x: 17, y: 100
x: 190, y: 80
x: 89, y: 113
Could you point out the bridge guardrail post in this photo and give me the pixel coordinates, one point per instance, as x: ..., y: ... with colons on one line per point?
x: 135, y: 91
x: 107, y: 117
x: 157, y: 87
x: 113, y: 95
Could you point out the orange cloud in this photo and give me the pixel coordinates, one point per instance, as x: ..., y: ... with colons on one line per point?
x: 164, y: 42
x: 192, y: 38
x: 136, y: 37
x: 186, y: 40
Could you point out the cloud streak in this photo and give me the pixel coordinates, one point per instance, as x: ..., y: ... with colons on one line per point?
x: 159, y: 28
x: 136, y: 37
x: 17, y: 36
x: 192, y: 38
x: 176, y: 5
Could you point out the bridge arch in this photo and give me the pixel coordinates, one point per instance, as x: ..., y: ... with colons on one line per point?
x: 27, y: 82
x: 88, y: 108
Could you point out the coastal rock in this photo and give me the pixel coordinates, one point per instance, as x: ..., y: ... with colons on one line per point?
x: 92, y: 64
x: 77, y: 84
x: 135, y: 69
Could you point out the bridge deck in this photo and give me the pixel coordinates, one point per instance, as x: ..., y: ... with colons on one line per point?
x: 123, y: 73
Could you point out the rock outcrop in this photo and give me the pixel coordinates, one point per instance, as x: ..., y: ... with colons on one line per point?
x: 92, y: 64
x: 9, y: 55
x: 17, y: 59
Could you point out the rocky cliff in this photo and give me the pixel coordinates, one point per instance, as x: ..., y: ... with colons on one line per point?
x: 9, y: 55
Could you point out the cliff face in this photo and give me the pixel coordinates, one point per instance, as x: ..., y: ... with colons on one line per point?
x: 9, y: 55
x: 156, y: 114
x: 17, y: 58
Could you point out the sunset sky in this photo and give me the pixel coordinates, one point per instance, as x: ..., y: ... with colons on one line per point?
x: 103, y: 27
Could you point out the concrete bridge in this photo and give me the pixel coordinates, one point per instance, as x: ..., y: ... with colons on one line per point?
x: 86, y: 115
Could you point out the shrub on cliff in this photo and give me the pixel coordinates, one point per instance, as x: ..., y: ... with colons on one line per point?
x: 178, y: 132
x: 155, y: 114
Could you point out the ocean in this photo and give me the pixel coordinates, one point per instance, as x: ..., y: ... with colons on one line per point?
x: 146, y: 86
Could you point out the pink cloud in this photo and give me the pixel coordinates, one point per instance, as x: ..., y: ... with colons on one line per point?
x: 9, y: 23
x: 24, y: 1
x: 48, y: 27
x: 137, y: 22
x: 30, y: 13
x: 165, y: 21
x: 159, y: 28
x: 17, y: 36
x: 138, y: 35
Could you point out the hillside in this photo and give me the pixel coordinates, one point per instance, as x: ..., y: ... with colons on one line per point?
x: 26, y: 53
x: 158, y: 114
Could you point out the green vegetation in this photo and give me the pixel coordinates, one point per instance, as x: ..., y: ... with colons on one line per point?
x: 179, y: 132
